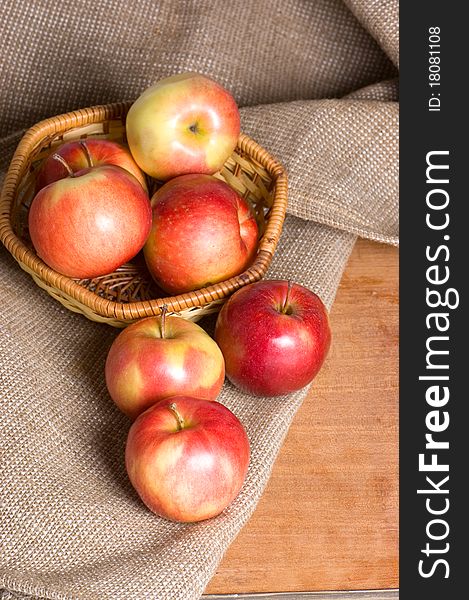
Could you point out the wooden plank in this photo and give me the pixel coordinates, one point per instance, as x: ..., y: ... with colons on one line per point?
x: 350, y: 595
x: 328, y: 519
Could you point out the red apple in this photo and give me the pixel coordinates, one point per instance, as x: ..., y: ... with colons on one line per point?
x: 274, y: 337
x: 91, y: 222
x: 186, y: 123
x: 203, y: 232
x: 158, y: 357
x: 187, y: 458
x: 92, y: 152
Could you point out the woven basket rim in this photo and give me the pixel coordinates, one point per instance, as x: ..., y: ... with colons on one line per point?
x: 31, y: 263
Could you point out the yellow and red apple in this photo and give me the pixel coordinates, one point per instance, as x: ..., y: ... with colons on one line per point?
x: 158, y: 357
x: 187, y: 458
x: 274, y: 336
x: 80, y: 154
x: 91, y: 222
x: 186, y: 123
x: 203, y: 232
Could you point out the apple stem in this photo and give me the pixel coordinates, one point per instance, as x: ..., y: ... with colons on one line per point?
x: 164, y: 310
x: 62, y: 160
x: 287, y: 298
x: 86, y: 150
x: 180, y: 421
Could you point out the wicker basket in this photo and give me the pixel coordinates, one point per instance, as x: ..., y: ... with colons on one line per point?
x: 129, y: 293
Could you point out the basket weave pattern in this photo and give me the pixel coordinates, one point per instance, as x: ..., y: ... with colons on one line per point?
x: 129, y: 293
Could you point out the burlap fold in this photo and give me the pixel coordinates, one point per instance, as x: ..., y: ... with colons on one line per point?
x: 319, y: 92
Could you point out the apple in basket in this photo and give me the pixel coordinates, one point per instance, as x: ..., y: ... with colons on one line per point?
x: 91, y: 222
x: 158, y: 357
x: 187, y: 458
x: 186, y: 123
x: 80, y: 154
x: 203, y: 232
x: 274, y: 336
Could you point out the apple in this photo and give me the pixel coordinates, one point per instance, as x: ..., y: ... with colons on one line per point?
x: 91, y: 222
x: 203, y: 232
x: 158, y: 357
x: 274, y: 336
x: 80, y: 154
x: 186, y: 123
x: 187, y: 458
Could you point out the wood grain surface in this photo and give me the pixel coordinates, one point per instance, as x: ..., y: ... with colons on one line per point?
x: 350, y: 595
x: 328, y: 519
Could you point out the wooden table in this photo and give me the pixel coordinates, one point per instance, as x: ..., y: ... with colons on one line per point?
x: 328, y: 519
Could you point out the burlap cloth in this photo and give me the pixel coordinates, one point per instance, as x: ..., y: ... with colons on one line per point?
x: 317, y: 83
